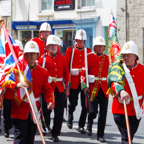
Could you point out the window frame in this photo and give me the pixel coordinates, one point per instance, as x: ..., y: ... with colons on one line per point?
x: 44, y: 10
x: 79, y: 2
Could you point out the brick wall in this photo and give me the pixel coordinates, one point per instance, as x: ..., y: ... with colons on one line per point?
x: 135, y: 23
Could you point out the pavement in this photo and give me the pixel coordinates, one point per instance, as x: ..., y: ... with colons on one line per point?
x: 72, y: 136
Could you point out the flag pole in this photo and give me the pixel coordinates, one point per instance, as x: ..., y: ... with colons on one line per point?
x: 124, y: 101
x: 16, y: 61
x: 127, y: 122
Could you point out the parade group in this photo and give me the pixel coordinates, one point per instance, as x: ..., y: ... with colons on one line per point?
x: 80, y: 72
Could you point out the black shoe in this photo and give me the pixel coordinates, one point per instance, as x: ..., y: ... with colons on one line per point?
x: 70, y: 124
x: 81, y: 130
x: 89, y: 132
x: 101, y: 139
x: 44, y: 134
x: 55, y: 138
x: 6, y: 133
x: 49, y: 129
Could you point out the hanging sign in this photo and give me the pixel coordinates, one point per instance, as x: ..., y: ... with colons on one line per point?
x: 64, y: 5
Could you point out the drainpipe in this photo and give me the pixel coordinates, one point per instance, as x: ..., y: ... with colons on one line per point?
x: 125, y: 20
x: 11, y: 17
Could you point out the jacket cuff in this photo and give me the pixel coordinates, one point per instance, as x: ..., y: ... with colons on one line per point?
x: 116, y: 87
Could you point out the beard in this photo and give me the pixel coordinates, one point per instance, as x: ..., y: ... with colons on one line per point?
x: 53, y: 51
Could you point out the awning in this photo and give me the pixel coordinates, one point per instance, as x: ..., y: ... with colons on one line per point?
x: 35, y: 25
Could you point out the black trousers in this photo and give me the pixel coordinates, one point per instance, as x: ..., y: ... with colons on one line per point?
x: 58, y: 112
x: 121, y: 124
x: 24, y: 131
x: 103, y: 105
x: 46, y: 112
x: 7, y: 121
x: 73, y: 99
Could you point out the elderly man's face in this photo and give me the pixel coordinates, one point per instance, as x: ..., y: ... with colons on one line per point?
x: 31, y: 58
x: 99, y: 49
x: 52, y: 48
x: 129, y: 59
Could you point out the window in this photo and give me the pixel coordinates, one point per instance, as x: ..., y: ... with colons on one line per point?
x: 66, y: 37
x: 24, y: 35
x: 85, y: 3
x: 47, y: 4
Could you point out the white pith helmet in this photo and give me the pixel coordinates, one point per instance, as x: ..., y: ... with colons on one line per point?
x: 59, y: 41
x: 19, y: 44
x: 81, y: 35
x: 130, y: 48
x: 52, y: 39
x: 30, y: 47
x: 99, y: 41
x: 45, y: 27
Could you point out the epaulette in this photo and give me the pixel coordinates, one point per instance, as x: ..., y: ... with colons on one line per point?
x: 140, y: 64
x: 90, y: 53
x: 42, y: 67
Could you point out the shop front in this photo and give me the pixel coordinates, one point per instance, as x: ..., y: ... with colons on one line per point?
x: 65, y: 29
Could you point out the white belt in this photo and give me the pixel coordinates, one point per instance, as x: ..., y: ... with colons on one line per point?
x: 75, y: 72
x: 50, y: 79
x: 103, y: 78
x: 92, y: 78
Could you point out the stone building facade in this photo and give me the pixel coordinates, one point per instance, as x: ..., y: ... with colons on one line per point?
x: 134, y: 24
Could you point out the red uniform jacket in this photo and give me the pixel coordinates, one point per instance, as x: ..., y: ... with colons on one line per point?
x: 78, y: 60
x: 39, y: 77
x: 93, y: 68
x: 9, y: 94
x: 40, y: 43
x: 57, y: 67
x: 138, y: 79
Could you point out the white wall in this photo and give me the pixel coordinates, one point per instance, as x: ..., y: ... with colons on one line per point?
x: 103, y: 8
x: 20, y: 12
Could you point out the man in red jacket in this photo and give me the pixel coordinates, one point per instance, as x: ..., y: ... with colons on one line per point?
x: 75, y: 59
x: 44, y: 32
x: 58, y: 72
x: 132, y: 92
x: 24, y: 126
x: 98, y: 64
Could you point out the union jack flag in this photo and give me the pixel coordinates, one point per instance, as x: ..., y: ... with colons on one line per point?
x: 112, y: 25
x: 112, y: 35
x: 6, y: 57
x: 12, y: 77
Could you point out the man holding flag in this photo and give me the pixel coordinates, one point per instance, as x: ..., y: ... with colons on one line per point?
x: 36, y: 80
x: 125, y: 82
x: 7, y: 61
